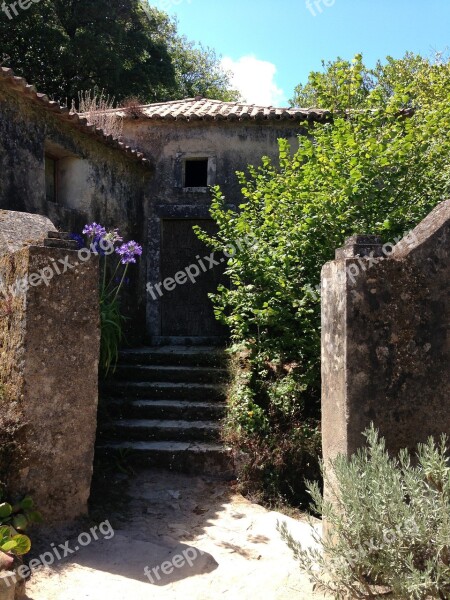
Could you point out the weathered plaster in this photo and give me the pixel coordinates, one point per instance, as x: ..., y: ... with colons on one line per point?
x: 230, y: 147
x: 96, y: 182
x: 386, y: 342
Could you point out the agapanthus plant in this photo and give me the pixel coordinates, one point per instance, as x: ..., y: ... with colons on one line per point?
x: 115, y: 261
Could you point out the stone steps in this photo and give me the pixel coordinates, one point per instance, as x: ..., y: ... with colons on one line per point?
x: 191, y: 356
x: 203, y: 392
x: 164, y: 429
x: 164, y: 407
x: 194, y: 458
x: 170, y: 373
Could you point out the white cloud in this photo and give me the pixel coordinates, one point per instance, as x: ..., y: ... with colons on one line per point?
x: 255, y: 79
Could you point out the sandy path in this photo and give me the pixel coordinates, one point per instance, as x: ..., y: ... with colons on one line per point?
x: 211, y: 542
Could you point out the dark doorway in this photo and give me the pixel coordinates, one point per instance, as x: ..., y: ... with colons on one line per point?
x: 186, y: 310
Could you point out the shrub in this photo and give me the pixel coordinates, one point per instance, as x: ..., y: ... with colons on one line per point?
x: 389, y: 523
x: 14, y: 520
x: 273, y: 439
x: 380, y: 171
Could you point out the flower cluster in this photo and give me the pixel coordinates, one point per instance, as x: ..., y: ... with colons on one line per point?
x: 128, y: 252
x: 113, y: 277
x: 94, y: 230
x: 79, y: 239
x: 97, y: 234
x: 113, y: 236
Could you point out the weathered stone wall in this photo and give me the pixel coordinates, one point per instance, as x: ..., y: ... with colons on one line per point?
x: 49, y: 346
x: 97, y: 182
x: 230, y: 146
x: 233, y: 145
x: 386, y: 339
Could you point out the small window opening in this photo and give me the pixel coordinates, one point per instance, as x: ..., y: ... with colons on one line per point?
x: 51, y: 183
x: 196, y: 173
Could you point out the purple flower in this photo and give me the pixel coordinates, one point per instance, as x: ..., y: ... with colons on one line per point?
x: 128, y: 252
x: 79, y: 239
x: 94, y: 230
x: 96, y: 247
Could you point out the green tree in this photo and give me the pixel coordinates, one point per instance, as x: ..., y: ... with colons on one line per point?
x: 342, y: 85
x: 124, y: 47
x: 368, y: 171
x: 348, y: 85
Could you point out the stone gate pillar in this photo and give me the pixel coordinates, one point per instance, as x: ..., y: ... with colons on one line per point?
x: 386, y: 339
x: 49, y: 348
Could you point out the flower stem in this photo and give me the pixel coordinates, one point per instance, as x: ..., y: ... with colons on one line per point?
x: 121, y: 282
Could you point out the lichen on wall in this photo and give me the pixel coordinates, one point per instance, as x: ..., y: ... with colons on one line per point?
x: 98, y: 182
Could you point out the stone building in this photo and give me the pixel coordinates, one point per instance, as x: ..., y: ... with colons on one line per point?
x: 55, y: 164
x: 194, y: 144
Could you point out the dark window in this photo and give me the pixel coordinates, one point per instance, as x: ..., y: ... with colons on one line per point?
x: 196, y: 173
x: 51, y: 183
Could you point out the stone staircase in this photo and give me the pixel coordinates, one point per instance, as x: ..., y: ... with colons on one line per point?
x: 163, y: 408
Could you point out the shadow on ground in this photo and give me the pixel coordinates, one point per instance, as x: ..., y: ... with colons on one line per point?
x: 149, y: 527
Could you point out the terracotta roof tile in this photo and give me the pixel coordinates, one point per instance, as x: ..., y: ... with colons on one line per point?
x: 75, y: 120
x: 194, y: 109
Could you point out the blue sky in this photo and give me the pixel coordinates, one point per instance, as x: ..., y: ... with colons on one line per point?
x: 273, y: 44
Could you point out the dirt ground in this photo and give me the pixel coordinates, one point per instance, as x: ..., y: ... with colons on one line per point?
x: 198, y: 538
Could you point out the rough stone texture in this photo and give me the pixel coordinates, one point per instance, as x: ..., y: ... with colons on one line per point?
x: 386, y: 342
x: 18, y: 230
x: 49, y: 346
x: 95, y: 182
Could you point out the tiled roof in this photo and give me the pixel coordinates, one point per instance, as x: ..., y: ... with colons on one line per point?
x: 77, y: 121
x: 203, y: 109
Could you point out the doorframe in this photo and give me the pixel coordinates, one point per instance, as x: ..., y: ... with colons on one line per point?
x: 153, y: 307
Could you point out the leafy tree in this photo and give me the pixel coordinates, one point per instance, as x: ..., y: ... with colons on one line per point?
x: 342, y: 85
x: 369, y: 171
x: 121, y: 46
x: 348, y: 85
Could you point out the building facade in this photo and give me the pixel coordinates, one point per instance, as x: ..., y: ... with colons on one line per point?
x: 195, y: 144
x: 57, y: 164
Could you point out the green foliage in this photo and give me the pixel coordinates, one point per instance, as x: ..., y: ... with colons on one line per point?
x: 14, y: 520
x: 13, y: 543
x: 111, y: 326
x: 373, y: 171
x: 342, y: 85
x: 348, y: 85
x: 274, y: 439
x: 19, y: 516
x: 389, y: 521
x: 124, y: 47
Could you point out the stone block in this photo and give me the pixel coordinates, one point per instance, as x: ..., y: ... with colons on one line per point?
x: 49, y: 349
x: 19, y: 230
x: 386, y: 341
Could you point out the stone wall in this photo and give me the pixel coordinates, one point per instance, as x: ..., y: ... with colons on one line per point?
x: 96, y: 182
x: 49, y: 347
x: 232, y: 145
x: 386, y: 339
